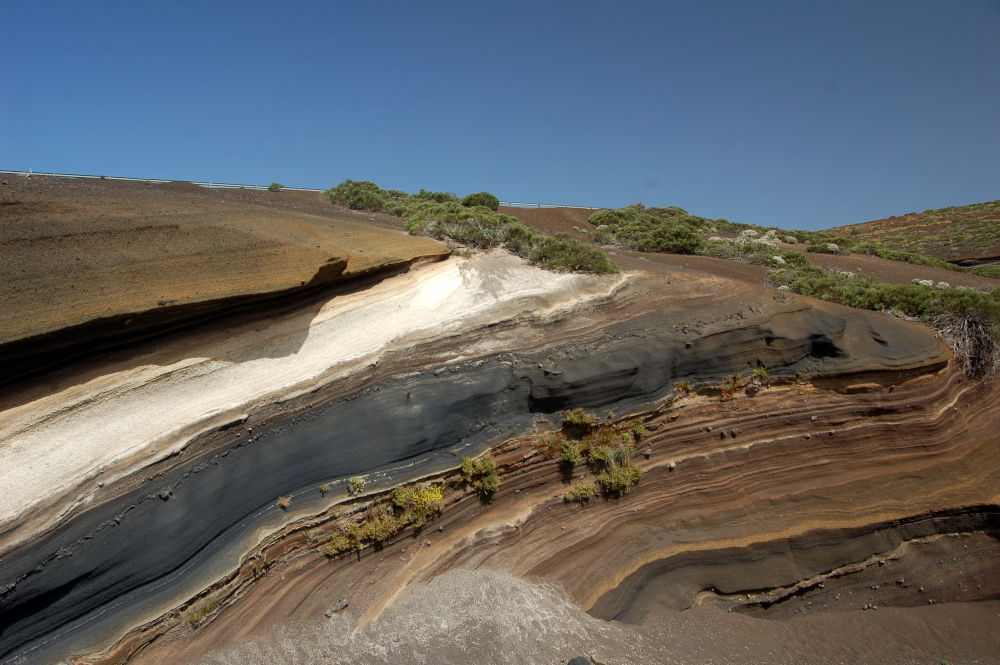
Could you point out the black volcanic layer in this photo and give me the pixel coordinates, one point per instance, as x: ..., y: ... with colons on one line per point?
x: 129, y: 557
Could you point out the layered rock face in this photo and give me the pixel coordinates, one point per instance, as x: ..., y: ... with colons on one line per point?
x: 144, y: 479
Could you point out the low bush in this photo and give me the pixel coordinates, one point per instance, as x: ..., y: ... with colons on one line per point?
x: 578, y: 418
x: 583, y: 491
x: 355, y: 485
x: 991, y: 270
x: 275, y: 187
x: 484, y: 229
x: 618, y: 480
x: 481, y: 475
x: 442, y: 215
x: 483, y: 199
x: 828, y: 248
x: 359, y: 195
x: 749, y: 247
x: 872, y: 249
x: 669, y: 230
x: 571, y: 454
x: 420, y: 503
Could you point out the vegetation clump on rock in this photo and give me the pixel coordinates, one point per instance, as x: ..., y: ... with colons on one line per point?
x: 355, y: 485
x: 582, y: 491
x: 419, y: 503
x: 408, y: 506
x: 474, y: 221
x: 481, y: 474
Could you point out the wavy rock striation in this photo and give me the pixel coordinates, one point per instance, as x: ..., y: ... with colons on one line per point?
x: 131, y: 555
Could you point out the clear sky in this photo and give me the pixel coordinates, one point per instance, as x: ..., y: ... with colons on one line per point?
x: 796, y: 113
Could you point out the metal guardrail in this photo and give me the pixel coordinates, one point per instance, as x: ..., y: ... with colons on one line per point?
x: 259, y: 188
x: 514, y: 204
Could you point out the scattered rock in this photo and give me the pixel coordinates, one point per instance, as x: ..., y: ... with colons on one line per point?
x: 339, y: 607
x: 649, y: 453
x: 579, y: 660
x: 672, y: 466
x: 165, y: 495
x: 813, y: 419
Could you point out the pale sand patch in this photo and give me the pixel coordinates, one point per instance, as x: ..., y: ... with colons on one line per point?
x: 115, y: 424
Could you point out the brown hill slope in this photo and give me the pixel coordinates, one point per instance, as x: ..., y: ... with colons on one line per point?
x: 111, y: 258
x: 966, y: 234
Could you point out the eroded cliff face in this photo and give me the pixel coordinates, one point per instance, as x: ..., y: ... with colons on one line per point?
x: 143, y: 486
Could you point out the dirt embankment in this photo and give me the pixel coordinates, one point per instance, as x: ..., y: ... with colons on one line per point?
x: 90, y: 264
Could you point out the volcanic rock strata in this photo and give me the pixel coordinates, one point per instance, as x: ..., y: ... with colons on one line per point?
x: 443, y: 387
x: 162, y: 500
x: 789, y: 514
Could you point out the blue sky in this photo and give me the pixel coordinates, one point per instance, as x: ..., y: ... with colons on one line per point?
x: 801, y: 114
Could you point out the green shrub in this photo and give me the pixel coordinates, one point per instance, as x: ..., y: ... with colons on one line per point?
x: 359, y: 195
x: 578, y: 418
x: 420, y: 503
x: 828, y: 248
x: 483, y: 199
x: 749, y: 247
x: 442, y: 215
x: 355, y: 485
x: 338, y: 543
x: 598, y: 455
x: 670, y: 230
x: 481, y: 474
x: 583, y: 491
x: 992, y: 270
x: 375, y: 529
x: 873, y: 249
x: 795, y: 259
x: 484, y: 229
x: 571, y: 454
x: 275, y: 187
x: 617, y: 480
